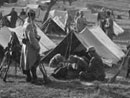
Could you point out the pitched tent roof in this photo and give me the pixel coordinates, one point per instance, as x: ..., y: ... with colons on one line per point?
x: 60, y: 17
x: 93, y: 18
x: 88, y: 37
x: 45, y: 43
x: 50, y: 26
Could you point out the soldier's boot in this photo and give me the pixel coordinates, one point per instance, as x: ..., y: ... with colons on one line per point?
x: 28, y: 78
x: 34, y: 75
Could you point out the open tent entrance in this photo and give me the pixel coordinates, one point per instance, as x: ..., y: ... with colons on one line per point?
x: 51, y: 27
x: 69, y: 46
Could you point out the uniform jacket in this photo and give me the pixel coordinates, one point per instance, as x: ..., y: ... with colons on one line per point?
x: 30, y: 50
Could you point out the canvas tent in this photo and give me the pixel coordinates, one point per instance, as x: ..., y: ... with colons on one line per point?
x: 60, y: 17
x: 5, y: 35
x: 88, y: 37
x: 56, y: 22
x: 51, y: 27
x: 93, y: 18
x: 45, y: 43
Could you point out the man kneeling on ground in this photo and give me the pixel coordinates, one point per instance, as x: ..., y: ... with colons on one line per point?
x: 95, y: 70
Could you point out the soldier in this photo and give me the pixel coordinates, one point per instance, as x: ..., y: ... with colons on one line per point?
x: 81, y: 22
x: 14, y: 17
x: 22, y: 13
x: 30, y: 52
x: 109, y: 26
x: 101, y: 18
x: 95, y: 70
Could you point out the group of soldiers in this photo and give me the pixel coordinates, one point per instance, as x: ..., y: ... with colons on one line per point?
x: 105, y: 20
x: 5, y: 21
x: 86, y: 67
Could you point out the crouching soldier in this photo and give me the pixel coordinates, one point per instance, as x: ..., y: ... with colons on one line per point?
x: 95, y: 70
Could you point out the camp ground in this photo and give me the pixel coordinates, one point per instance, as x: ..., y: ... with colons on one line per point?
x: 113, y: 52
x: 76, y: 42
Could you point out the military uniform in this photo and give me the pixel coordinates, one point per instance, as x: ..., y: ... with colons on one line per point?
x: 30, y: 51
x: 109, y: 27
x: 81, y: 23
x: 13, y: 19
x: 95, y: 70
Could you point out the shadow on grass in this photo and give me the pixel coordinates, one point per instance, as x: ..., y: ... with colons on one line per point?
x: 62, y: 84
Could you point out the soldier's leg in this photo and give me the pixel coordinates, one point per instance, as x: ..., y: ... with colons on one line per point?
x: 28, y: 78
x: 34, y: 74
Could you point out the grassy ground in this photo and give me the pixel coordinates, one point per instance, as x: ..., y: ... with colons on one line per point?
x: 17, y: 87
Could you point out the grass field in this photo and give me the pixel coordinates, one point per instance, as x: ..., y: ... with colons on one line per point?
x: 17, y: 87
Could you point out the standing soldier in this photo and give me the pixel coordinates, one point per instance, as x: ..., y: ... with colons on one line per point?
x: 14, y: 17
x: 109, y: 26
x: 129, y: 13
x: 95, y: 70
x: 101, y: 18
x: 81, y: 22
x: 30, y: 54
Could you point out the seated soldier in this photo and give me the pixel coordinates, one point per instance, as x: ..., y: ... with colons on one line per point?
x: 56, y: 60
x: 95, y: 70
x: 81, y: 64
x: 75, y: 66
x: 71, y: 68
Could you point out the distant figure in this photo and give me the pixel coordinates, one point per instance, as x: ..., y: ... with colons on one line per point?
x: 129, y: 13
x: 81, y: 22
x: 95, y: 70
x: 23, y: 13
x: 14, y: 17
x: 76, y: 17
x: 113, y: 15
x: 101, y: 18
x: 109, y: 26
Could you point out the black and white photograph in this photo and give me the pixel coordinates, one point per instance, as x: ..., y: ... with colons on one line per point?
x: 64, y: 48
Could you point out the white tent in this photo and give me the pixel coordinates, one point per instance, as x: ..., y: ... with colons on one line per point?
x: 107, y: 49
x: 5, y: 35
x: 60, y: 17
x: 117, y: 29
x: 45, y: 43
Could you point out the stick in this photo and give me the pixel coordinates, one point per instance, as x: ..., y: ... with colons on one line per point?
x: 120, y: 68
